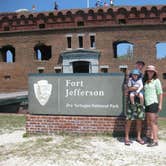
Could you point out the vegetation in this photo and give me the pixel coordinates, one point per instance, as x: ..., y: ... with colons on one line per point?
x: 11, y: 122
x: 162, y: 123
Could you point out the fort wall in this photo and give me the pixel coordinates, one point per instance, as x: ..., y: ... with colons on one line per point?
x: 143, y: 26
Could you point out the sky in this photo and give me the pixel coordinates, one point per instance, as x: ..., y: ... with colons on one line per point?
x: 48, y: 5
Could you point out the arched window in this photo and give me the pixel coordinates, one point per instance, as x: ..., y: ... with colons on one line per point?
x: 9, y: 57
x: 123, y: 49
x: 42, y: 52
x: 39, y: 55
x: 161, y: 50
x: 7, y: 54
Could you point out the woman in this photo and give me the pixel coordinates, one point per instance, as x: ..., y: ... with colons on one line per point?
x: 153, y: 102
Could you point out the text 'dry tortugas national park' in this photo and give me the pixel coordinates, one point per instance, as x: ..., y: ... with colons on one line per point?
x: 70, y: 64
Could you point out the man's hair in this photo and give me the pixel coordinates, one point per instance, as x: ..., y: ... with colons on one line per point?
x: 141, y: 62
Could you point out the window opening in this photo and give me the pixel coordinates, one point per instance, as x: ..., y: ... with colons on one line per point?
x: 121, y: 21
x: 41, y: 26
x: 92, y: 41
x: 69, y: 42
x: 164, y: 76
x: 40, y: 69
x: 104, y: 68
x: 7, y: 77
x: 80, y: 23
x: 42, y: 52
x: 9, y: 57
x: 81, y: 67
x: 58, y: 69
x: 164, y: 20
x: 80, y: 39
x: 39, y: 55
x: 7, y: 54
x: 161, y: 50
x: 123, y: 50
x: 6, y: 28
x: 123, y: 68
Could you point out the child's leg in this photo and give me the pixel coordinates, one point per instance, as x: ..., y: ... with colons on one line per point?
x: 141, y: 98
x: 132, y: 97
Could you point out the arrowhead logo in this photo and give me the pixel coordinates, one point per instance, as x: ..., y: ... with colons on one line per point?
x: 42, y: 91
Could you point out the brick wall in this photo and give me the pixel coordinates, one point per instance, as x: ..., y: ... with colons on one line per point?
x: 142, y: 30
x: 73, y: 124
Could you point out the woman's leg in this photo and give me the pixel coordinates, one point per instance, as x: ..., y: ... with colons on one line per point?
x: 154, y: 126
x: 149, y: 127
x: 154, y: 129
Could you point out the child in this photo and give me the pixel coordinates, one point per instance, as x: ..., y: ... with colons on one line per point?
x: 135, y: 81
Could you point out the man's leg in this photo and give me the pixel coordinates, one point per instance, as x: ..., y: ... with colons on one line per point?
x: 127, y: 132
x: 139, y: 131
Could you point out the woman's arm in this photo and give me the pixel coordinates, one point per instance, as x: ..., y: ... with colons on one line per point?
x: 160, y: 102
x: 159, y: 92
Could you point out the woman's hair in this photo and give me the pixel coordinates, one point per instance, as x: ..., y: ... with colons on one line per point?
x: 145, y: 78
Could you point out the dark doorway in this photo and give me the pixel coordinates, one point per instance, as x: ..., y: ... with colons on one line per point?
x: 81, y: 67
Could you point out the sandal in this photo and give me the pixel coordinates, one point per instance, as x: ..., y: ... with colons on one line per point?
x: 127, y: 142
x: 152, y: 144
x: 140, y: 141
x: 149, y: 140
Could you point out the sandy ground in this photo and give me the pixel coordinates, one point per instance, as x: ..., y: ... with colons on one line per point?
x: 65, y: 150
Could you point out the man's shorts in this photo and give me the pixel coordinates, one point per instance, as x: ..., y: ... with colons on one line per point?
x: 137, y: 113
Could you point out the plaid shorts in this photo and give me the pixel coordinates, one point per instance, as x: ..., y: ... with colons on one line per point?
x: 136, y: 113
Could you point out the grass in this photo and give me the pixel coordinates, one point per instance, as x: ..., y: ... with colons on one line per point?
x: 162, y: 128
x: 10, y: 122
x: 162, y: 123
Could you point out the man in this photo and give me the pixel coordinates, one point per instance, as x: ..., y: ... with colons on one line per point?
x: 139, y: 65
x: 130, y: 115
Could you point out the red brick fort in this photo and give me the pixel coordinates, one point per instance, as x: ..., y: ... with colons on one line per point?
x: 78, y: 40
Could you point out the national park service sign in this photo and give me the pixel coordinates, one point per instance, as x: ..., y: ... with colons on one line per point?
x: 42, y: 91
x: 83, y: 94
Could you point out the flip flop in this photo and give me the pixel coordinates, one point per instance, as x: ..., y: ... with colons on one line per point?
x: 127, y: 143
x: 140, y: 141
